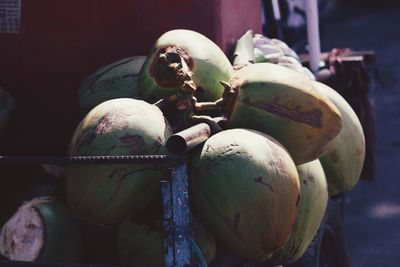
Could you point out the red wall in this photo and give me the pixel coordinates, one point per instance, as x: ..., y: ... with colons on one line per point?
x: 62, y: 42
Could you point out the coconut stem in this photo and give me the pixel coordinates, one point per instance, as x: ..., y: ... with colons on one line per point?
x: 173, y: 66
x: 229, y: 98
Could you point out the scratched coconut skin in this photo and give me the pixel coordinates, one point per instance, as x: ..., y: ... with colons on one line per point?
x: 111, y: 192
x: 313, y: 202
x: 238, y: 180
x: 284, y: 104
x: 344, y: 160
x: 203, y: 57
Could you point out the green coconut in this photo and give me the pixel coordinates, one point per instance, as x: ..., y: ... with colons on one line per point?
x: 344, y: 160
x: 245, y: 187
x: 284, y: 104
x: 313, y: 202
x: 194, y: 54
x: 109, y: 193
x: 143, y: 244
x: 6, y: 108
x: 41, y: 230
x: 116, y: 80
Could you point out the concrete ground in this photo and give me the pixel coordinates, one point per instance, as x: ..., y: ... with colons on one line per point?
x: 372, y: 210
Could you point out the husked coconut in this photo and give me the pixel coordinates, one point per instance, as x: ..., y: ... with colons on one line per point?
x: 41, y: 230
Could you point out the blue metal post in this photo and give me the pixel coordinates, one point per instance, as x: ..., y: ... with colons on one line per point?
x: 167, y: 223
x: 181, y: 215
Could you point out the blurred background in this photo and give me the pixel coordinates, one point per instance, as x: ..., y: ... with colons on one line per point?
x: 372, y: 209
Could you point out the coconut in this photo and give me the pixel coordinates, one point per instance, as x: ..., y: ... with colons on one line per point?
x: 184, y: 54
x: 109, y: 193
x: 344, y: 160
x: 141, y: 244
x: 245, y: 187
x: 116, y: 80
x: 313, y: 202
x: 285, y: 105
x: 41, y: 230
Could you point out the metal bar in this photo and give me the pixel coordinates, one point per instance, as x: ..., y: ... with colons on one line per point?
x: 313, y: 34
x: 167, y: 223
x: 180, y: 202
x: 276, y: 9
x: 368, y: 55
x: 88, y: 159
x: 198, y: 255
x: 185, y: 140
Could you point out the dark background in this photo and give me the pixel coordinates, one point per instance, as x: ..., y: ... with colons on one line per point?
x: 372, y: 209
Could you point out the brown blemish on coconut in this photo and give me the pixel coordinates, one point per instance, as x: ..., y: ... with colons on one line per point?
x: 166, y: 63
x: 312, y: 118
x: 334, y: 156
x: 135, y: 143
x: 114, y: 119
x: 277, y: 163
x: 359, y: 152
x: 311, y: 179
x: 298, y: 200
x: 259, y: 179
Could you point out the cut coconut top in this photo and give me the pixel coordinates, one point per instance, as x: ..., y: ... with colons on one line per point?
x: 23, y: 236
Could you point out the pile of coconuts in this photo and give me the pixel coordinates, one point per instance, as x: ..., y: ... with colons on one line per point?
x: 280, y: 145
